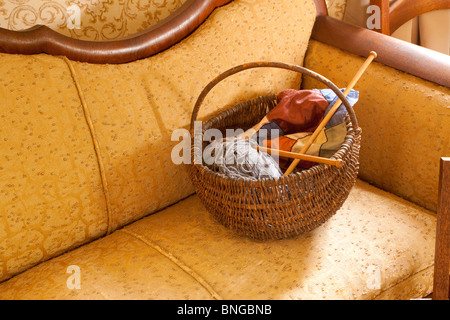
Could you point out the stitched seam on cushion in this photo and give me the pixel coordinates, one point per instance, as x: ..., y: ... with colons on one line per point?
x: 175, y: 260
x: 403, y: 280
x: 98, y: 153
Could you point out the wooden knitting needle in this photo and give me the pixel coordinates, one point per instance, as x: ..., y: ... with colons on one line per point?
x: 293, y: 155
x: 336, y: 106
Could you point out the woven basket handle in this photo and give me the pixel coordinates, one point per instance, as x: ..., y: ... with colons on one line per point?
x: 279, y: 65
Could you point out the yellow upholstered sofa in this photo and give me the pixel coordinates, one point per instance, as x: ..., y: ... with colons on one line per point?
x: 92, y: 207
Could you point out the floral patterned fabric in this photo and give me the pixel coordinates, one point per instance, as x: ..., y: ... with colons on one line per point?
x: 103, y: 19
x: 336, y: 8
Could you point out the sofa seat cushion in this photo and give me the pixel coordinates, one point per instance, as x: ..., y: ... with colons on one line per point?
x: 377, y: 246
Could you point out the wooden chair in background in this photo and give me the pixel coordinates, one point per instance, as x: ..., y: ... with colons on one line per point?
x: 393, y: 17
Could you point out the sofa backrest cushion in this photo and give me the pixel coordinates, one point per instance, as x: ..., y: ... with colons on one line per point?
x: 87, y: 148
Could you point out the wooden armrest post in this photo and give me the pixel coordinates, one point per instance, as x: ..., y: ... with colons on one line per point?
x: 441, y: 285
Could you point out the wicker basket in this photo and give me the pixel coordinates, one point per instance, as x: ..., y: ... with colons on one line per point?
x: 273, y: 208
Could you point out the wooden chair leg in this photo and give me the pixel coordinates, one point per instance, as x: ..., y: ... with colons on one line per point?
x: 441, y: 285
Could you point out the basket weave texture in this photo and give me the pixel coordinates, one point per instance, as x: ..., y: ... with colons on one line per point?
x: 275, y: 208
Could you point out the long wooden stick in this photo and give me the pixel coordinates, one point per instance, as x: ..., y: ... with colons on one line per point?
x: 293, y: 155
x: 336, y: 106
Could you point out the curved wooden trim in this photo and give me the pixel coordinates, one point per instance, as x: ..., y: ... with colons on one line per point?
x: 321, y: 8
x: 41, y: 39
x: 403, y: 11
x: 384, y: 8
x: 418, y: 61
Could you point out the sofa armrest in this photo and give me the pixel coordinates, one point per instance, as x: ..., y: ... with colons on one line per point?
x: 442, y: 251
x: 403, y: 109
x: 418, y: 61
